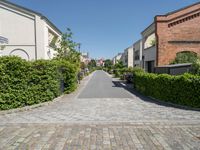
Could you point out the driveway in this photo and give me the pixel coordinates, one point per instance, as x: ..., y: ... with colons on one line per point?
x: 101, y: 114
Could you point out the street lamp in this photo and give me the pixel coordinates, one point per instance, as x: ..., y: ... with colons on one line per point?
x: 79, y: 47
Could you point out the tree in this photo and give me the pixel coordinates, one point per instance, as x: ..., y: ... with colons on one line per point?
x: 153, y: 42
x: 92, y: 64
x: 185, y: 57
x: 108, y: 63
x: 67, y: 48
x: 119, y: 65
x: 196, y: 67
x: 83, y: 65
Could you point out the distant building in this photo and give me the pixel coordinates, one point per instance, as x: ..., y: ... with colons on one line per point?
x: 117, y: 58
x: 85, y: 58
x: 149, y: 48
x: 127, y: 57
x: 29, y: 34
x: 137, y: 57
x: 100, y: 62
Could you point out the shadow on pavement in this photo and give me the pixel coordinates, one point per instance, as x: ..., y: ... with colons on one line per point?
x: 129, y: 88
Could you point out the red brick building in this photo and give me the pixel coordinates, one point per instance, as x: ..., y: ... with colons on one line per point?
x: 174, y: 32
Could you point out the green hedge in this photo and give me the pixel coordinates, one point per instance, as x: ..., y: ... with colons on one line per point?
x: 25, y: 83
x: 182, y: 89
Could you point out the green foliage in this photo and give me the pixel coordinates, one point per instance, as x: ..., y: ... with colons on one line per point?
x: 92, y: 65
x: 108, y: 63
x: 25, y: 83
x: 67, y: 49
x: 68, y: 74
x: 153, y: 42
x: 83, y: 65
x: 185, y: 57
x: 196, y: 67
x: 182, y: 89
x: 119, y: 65
x: 118, y: 69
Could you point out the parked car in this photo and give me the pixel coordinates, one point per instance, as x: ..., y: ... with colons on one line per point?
x: 128, y: 77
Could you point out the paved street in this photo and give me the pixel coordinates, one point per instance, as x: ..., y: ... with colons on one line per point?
x: 101, y: 114
x: 101, y: 86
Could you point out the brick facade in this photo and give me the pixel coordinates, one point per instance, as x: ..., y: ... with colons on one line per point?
x: 176, y: 32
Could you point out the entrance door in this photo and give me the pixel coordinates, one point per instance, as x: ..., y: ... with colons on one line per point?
x: 150, y: 66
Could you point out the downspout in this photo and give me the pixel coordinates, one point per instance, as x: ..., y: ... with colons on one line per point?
x: 35, y: 28
x: 157, y: 39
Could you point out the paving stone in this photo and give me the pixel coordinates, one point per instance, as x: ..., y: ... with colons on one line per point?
x: 101, y: 123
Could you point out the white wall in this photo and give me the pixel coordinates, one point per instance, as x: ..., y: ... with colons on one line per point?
x: 40, y: 38
x: 18, y: 28
x: 150, y: 54
x: 130, y: 56
x: 27, y: 34
x: 138, y: 47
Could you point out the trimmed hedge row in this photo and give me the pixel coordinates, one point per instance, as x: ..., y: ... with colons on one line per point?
x: 182, y: 89
x: 25, y: 83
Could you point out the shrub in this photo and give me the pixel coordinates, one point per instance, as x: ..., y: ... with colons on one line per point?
x: 68, y: 74
x: 185, y: 57
x: 196, y: 67
x: 14, y: 73
x: 182, y: 89
x: 25, y: 83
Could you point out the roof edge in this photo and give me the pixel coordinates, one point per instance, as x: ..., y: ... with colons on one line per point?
x: 147, y: 27
x: 175, y: 11
x: 27, y: 11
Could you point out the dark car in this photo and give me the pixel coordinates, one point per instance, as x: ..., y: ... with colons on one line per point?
x: 128, y: 77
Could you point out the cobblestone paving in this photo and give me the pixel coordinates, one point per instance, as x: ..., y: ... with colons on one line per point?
x: 107, y: 136
x: 101, y: 123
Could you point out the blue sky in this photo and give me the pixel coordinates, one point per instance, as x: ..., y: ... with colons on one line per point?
x: 103, y: 27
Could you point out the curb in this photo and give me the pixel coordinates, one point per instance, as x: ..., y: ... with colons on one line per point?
x: 27, y: 108
x: 174, y: 105
x: 169, y: 104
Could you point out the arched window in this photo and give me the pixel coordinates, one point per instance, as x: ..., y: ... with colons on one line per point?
x: 21, y: 53
x: 185, y: 57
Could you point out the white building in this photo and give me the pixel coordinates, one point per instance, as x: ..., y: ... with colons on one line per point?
x: 85, y: 58
x: 30, y: 35
x: 137, y: 57
x: 117, y: 58
x: 149, y: 48
x: 127, y: 57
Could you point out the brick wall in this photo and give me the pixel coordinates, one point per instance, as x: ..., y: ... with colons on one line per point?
x: 176, y: 32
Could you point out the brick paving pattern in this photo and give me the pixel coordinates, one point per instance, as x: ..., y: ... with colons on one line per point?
x: 74, y: 123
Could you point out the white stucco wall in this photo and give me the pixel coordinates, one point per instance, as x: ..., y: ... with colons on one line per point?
x: 19, y: 29
x: 40, y: 38
x: 138, y: 47
x: 27, y: 33
x: 127, y: 57
x: 130, y: 56
x: 150, y: 54
x: 49, y: 51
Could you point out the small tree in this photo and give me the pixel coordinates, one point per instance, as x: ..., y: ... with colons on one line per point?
x: 67, y: 49
x: 185, y: 57
x: 119, y: 65
x: 92, y: 65
x: 153, y: 42
x: 108, y: 63
x: 196, y: 67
